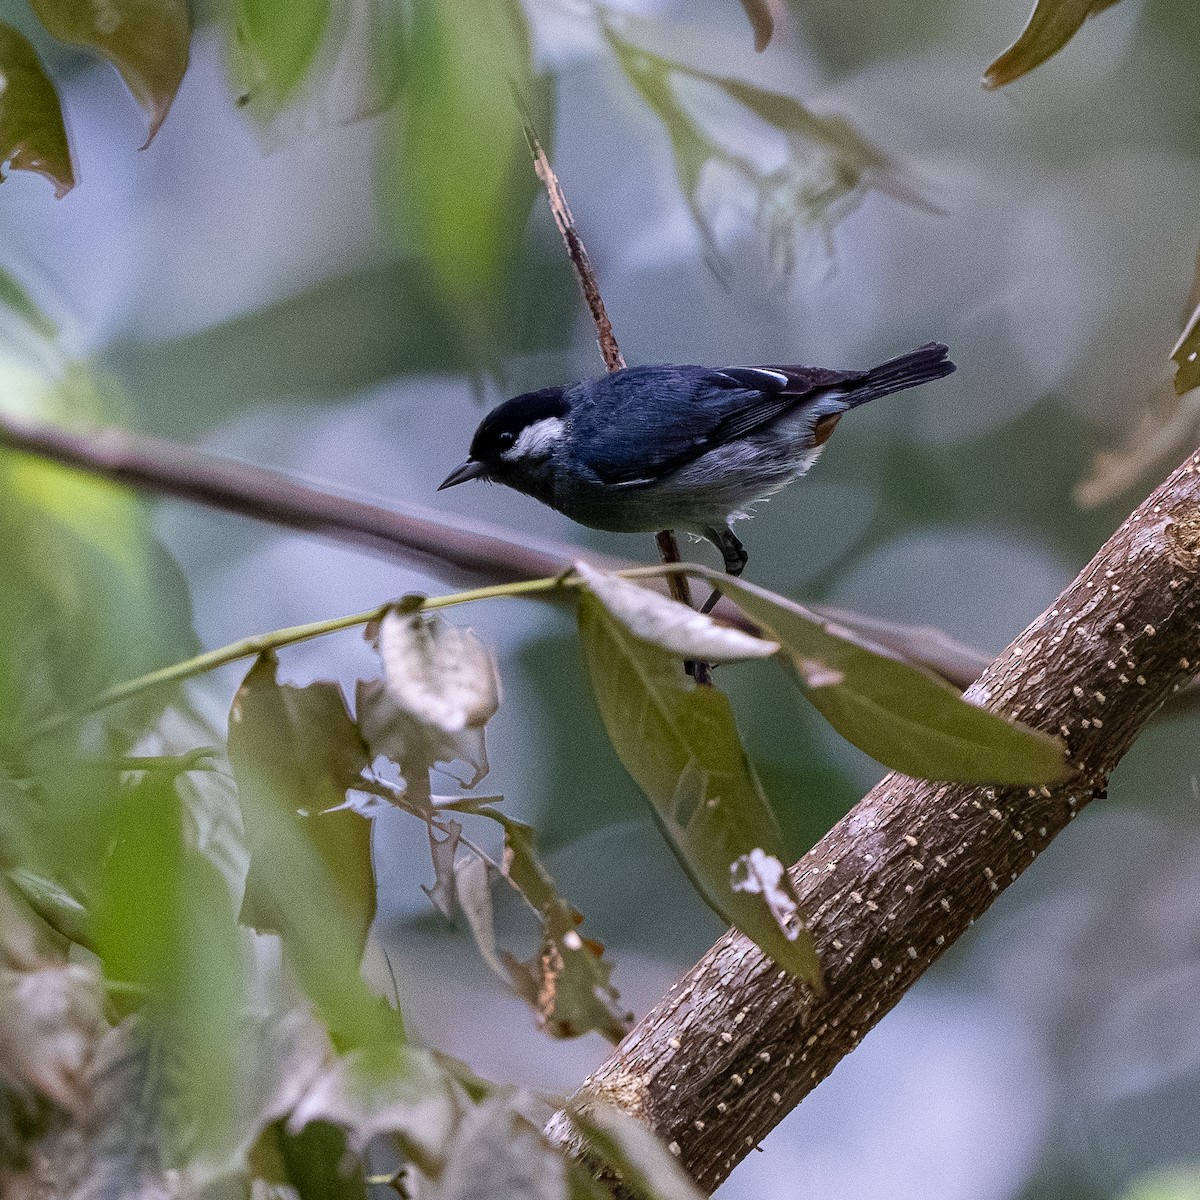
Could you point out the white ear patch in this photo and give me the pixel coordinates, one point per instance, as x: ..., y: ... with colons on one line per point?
x: 536, y: 440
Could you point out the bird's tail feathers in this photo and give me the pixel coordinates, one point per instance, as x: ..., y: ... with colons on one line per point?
x: 897, y: 374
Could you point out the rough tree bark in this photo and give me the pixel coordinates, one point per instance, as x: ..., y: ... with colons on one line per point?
x: 737, y: 1044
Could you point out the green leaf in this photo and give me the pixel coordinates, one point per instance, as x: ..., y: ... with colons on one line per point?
x: 681, y: 746
x: 91, y: 599
x: 762, y: 21
x: 460, y: 183
x: 314, y: 1160
x: 902, y: 715
x: 32, y: 134
x: 1051, y: 25
x: 146, y: 40
x: 274, y: 47
x: 295, y: 752
x: 13, y: 294
x: 164, y: 922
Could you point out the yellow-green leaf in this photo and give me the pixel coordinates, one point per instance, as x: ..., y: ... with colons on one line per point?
x: 681, y: 745
x: 146, y: 40
x: 461, y: 183
x: 32, y: 134
x: 902, y: 715
x: 1051, y: 25
x: 275, y: 45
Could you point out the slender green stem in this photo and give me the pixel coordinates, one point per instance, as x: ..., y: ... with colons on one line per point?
x: 265, y: 643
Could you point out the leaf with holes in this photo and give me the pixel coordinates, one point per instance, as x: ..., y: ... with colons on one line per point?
x: 32, y: 134
x: 681, y: 746
x: 902, y: 715
x: 146, y: 40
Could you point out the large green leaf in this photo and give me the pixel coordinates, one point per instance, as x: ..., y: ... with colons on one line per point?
x: 1051, y: 25
x: 461, y: 183
x: 902, y: 715
x: 164, y: 922
x: 90, y: 598
x: 146, y: 40
x: 295, y: 752
x: 32, y: 134
x: 681, y: 745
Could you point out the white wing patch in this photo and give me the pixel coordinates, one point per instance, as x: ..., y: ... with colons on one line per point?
x: 776, y: 378
x: 537, y: 440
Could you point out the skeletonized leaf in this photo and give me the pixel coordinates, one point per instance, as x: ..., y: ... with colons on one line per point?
x: 762, y: 21
x: 630, y: 1150
x: 682, y: 748
x: 294, y: 753
x: 146, y: 40
x: 674, y: 627
x: 902, y: 715
x: 32, y: 134
x: 439, y: 674
x: 568, y: 981
x: 1051, y: 25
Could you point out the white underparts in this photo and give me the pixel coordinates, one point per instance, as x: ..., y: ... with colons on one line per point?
x: 536, y: 440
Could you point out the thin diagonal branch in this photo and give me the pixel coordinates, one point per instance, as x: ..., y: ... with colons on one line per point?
x: 737, y: 1044
x: 668, y: 545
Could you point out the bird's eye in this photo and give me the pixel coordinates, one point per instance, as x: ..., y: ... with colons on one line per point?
x: 506, y: 440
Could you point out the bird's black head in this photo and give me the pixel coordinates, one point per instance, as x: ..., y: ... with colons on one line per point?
x: 514, y: 434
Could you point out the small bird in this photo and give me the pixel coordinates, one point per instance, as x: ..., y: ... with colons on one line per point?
x: 677, y: 447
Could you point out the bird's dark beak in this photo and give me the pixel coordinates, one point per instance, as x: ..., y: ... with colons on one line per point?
x: 468, y: 470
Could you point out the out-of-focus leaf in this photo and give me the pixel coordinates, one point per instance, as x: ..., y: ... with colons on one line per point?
x: 146, y: 40
x: 473, y: 891
x: 635, y: 1156
x: 1164, y: 426
x: 829, y: 164
x: 460, y: 182
x: 314, y: 1160
x: 762, y: 21
x: 1174, y: 1183
x: 164, y: 922
x: 15, y: 297
x: 406, y: 1095
x: 295, y: 752
x: 32, y: 134
x: 274, y: 46
x: 53, y: 903
x: 568, y: 981
x: 681, y: 746
x: 904, y: 716
x: 1186, y: 354
x: 443, y: 851
x: 499, y: 1153
x: 340, y: 336
x: 1052, y: 24
x: 90, y: 598
x: 671, y: 626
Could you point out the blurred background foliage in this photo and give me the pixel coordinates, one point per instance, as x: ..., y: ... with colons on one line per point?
x: 330, y: 257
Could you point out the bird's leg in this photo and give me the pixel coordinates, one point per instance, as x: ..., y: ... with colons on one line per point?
x: 734, y: 554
